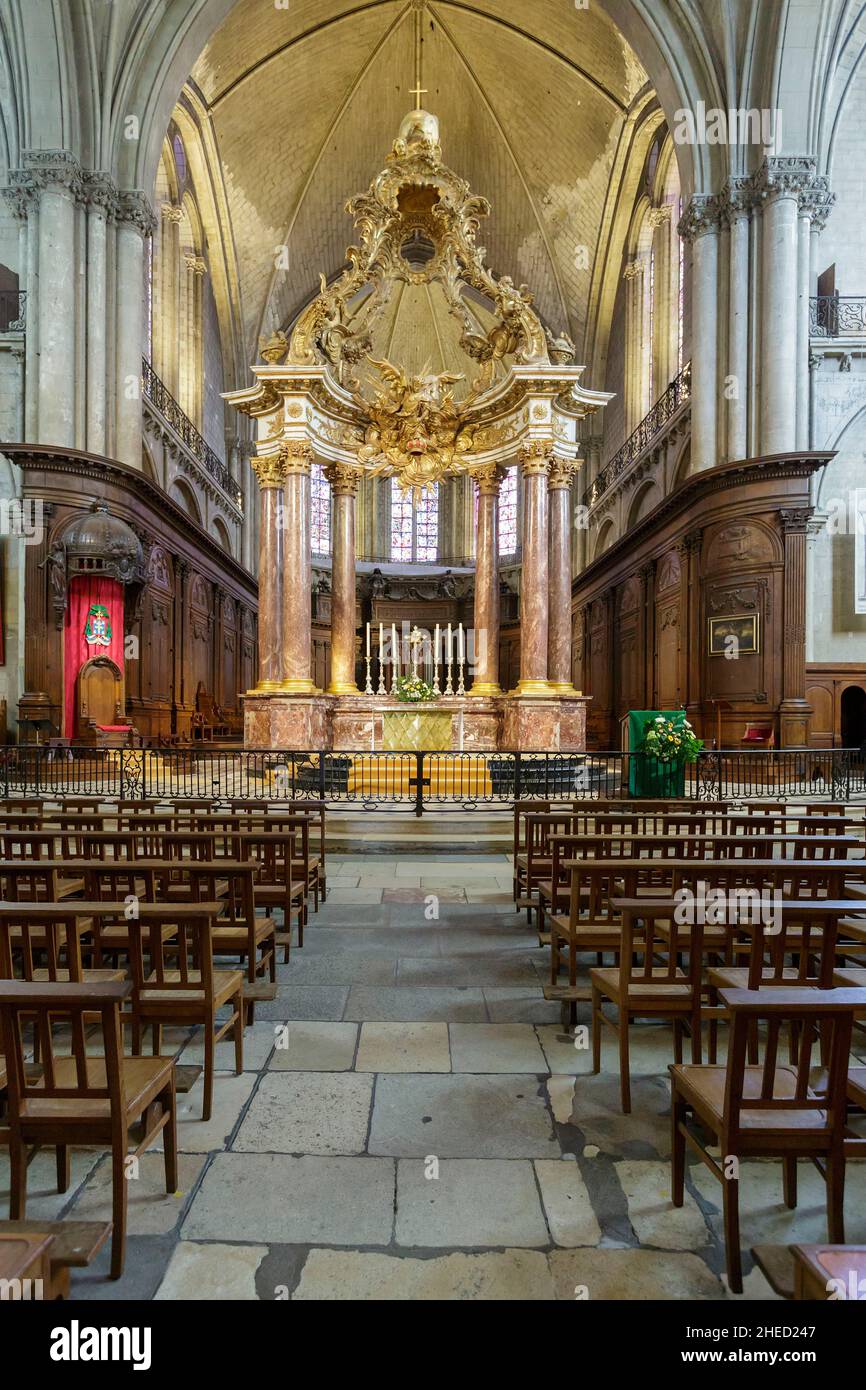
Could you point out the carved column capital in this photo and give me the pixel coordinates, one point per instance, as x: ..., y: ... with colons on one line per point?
x: 536, y: 457
x: 343, y: 478
x: 297, y: 455
x: 489, y: 479
x: 561, y: 473
x: 270, y: 469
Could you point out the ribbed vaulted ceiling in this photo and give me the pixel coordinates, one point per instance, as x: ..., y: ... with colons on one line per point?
x: 306, y: 102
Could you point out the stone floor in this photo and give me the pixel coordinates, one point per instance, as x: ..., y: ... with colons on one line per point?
x: 413, y: 1123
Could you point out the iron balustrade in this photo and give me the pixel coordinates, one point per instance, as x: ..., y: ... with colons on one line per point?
x: 837, y: 316
x: 651, y: 427
x: 162, y: 400
x: 417, y: 782
x: 13, y: 311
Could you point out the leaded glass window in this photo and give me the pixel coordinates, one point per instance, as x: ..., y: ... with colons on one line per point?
x: 414, y: 526
x: 320, y: 509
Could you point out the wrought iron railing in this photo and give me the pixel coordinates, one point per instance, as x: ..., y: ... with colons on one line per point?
x: 13, y: 311
x: 421, y: 782
x: 837, y: 316
x: 651, y: 427
x: 162, y: 400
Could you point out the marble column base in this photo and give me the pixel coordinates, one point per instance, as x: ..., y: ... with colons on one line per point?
x: 297, y: 722
x: 533, y: 725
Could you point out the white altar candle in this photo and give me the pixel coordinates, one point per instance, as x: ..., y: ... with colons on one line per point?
x: 460, y: 649
x: 381, y: 644
x: 395, y: 658
x: 368, y: 641
x: 448, y: 648
x: 436, y: 645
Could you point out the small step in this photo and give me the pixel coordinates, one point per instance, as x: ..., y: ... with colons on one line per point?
x: 259, y: 991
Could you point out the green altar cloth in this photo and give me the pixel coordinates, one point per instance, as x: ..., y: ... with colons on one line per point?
x: 649, y: 777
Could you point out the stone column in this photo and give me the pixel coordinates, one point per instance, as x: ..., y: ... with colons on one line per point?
x: 135, y: 222
x: 778, y: 184
x: 298, y: 567
x: 56, y: 389
x: 100, y: 201
x: 535, y: 460
x: 559, y: 577
x: 794, y: 711
x: 485, y: 681
x: 344, y: 488
x: 271, y: 473
x: 699, y: 224
x: 735, y: 211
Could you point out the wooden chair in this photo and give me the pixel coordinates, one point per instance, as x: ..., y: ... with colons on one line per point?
x: 175, y: 982
x: 50, y: 932
x: 642, y: 988
x: 768, y: 1111
x: 83, y: 1099
x: 283, y: 875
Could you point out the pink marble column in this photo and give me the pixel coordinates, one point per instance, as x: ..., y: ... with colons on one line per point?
x: 298, y: 571
x: 559, y: 578
x: 271, y: 473
x: 344, y: 488
x: 485, y: 682
x: 535, y: 459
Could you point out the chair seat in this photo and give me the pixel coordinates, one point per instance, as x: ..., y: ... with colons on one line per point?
x: 274, y: 894
x: 231, y: 937
x: 538, y: 861
x: 608, y: 981
x: 143, y: 1079
x: 737, y: 976
x: 588, y: 936
x: 856, y: 1086
x: 88, y: 977
x: 854, y: 978
x: 704, y: 1089
x: 225, y: 984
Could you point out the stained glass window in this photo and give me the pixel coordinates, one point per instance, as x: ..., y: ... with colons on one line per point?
x: 508, y: 514
x: 414, y: 528
x: 320, y: 508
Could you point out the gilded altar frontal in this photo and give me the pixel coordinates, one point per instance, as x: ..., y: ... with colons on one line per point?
x: 433, y: 668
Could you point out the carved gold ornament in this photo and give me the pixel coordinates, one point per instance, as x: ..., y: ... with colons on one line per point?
x: 270, y: 470
x: 415, y: 433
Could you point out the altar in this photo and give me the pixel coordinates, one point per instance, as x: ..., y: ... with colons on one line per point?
x: 326, y: 392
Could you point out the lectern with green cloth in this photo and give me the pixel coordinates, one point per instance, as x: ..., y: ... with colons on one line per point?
x: 649, y: 776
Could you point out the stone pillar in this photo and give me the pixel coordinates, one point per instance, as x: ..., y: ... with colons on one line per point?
x: 99, y: 202
x: 271, y: 473
x: 779, y: 313
x: 135, y: 221
x: 535, y: 460
x: 56, y: 387
x: 794, y: 711
x: 559, y: 577
x: 485, y: 681
x: 344, y: 488
x: 735, y: 211
x: 298, y: 570
x: 699, y: 224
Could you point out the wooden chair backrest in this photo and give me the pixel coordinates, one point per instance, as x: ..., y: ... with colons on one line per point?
x: 30, y: 880
x: 777, y: 940
x: 826, y: 1012
x: 30, y: 943
x: 646, y: 960
x: 179, y: 965
x: 47, y: 1005
x: 28, y: 844
x: 108, y: 844
x: 275, y: 851
x: 521, y: 810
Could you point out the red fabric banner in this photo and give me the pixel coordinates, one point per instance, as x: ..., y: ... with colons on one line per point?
x: 85, y: 591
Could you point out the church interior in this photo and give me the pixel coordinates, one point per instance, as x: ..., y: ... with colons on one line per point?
x: 433, y: 641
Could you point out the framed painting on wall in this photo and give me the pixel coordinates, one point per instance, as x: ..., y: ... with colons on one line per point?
x: 737, y: 633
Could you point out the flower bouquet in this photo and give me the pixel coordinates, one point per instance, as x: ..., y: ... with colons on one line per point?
x: 671, y: 740
x: 412, y: 690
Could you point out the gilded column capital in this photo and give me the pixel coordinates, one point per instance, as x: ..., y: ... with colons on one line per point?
x: 343, y: 478
x: 270, y: 469
x: 561, y: 473
x: 489, y: 477
x: 536, y: 457
x: 297, y: 455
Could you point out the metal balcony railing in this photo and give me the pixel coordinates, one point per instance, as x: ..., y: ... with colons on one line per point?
x: 837, y: 316
x: 650, y: 428
x: 13, y: 311
x: 164, y: 402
